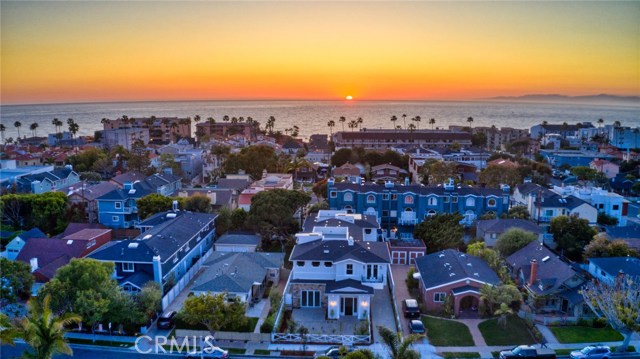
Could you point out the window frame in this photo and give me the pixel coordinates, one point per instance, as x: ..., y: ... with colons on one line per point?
x: 130, y: 267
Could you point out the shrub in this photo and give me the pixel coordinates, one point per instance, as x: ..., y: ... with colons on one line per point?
x: 267, y: 325
x: 599, y: 323
x: 581, y: 322
x: 412, y: 283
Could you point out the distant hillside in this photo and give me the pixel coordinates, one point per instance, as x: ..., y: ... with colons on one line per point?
x: 601, y: 98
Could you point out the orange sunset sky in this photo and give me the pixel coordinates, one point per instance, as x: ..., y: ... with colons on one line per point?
x: 178, y: 50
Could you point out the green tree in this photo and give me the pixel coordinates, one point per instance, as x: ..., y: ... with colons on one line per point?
x: 16, y: 280
x: 90, y: 176
x: 518, y: 212
x: 253, y: 160
x: 478, y: 249
x: 342, y: 156
x: 45, y: 211
x: 601, y: 246
x: 149, y: 299
x: 197, y: 203
x: 398, y: 349
x: 513, y: 240
x: 8, y: 332
x: 437, y: 172
x: 441, y: 231
x: 214, y: 312
x: 504, y: 311
x: 492, y: 298
x: 272, y: 212
x: 479, y: 139
x: 572, y: 234
x: 84, y: 286
x: 618, y: 303
x: 44, y: 331
x: 139, y: 156
x: 152, y: 204
x: 320, y: 189
x: 494, y: 176
x: 607, y: 220
x: 583, y: 173
x: 238, y: 219
x: 360, y: 354
x: 168, y: 160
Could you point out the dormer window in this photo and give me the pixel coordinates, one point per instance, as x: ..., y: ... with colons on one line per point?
x: 315, y: 264
x: 300, y: 263
x: 371, y: 199
x: 328, y: 264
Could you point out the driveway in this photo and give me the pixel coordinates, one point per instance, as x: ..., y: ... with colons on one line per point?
x: 399, y: 272
x: 382, y: 311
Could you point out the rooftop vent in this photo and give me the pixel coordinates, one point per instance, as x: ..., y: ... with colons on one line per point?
x: 171, y: 215
x: 469, y: 264
x: 132, y: 191
x: 451, y: 274
x: 69, y: 241
x: 133, y: 245
x: 440, y: 255
x: 147, y: 236
x: 545, y: 258
x: 326, y: 251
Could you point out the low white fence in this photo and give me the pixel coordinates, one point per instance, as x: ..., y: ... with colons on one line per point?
x: 320, y: 339
x: 182, y: 283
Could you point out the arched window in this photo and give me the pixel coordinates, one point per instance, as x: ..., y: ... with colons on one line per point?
x: 471, y: 202
x: 431, y: 213
x: 408, y: 209
x: 433, y: 201
x: 371, y: 199
x: 408, y: 199
x: 349, y: 209
x: 348, y: 197
x: 491, y: 202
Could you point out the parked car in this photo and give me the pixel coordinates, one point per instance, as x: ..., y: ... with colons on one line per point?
x: 333, y: 352
x: 592, y: 352
x: 166, y: 320
x: 527, y: 351
x: 416, y: 327
x: 213, y: 352
x: 410, y: 308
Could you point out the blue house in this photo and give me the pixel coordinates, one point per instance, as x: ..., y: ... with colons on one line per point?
x: 47, y: 181
x: 169, y: 245
x: 117, y: 209
x: 399, y: 208
x: 18, y: 242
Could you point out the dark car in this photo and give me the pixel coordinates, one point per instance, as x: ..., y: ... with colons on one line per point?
x: 410, y: 308
x: 166, y: 320
x: 334, y: 352
x: 416, y: 327
x: 592, y: 352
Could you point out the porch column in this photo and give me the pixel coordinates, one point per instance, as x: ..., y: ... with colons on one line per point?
x: 364, y: 307
x: 333, y: 308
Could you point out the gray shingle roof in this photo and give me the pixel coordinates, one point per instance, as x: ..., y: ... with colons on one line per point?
x: 500, y: 225
x: 236, y: 272
x: 450, y: 265
x: 340, y: 250
x: 551, y: 273
x: 242, y: 238
x: 418, y: 189
x: 32, y: 233
x: 613, y: 265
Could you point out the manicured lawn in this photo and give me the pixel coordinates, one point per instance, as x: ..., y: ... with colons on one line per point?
x: 575, y: 334
x: 516, y: 332
x: 447, y: 333
x: 454, y: 355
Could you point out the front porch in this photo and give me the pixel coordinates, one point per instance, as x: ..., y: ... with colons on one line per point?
x: 315, y: 320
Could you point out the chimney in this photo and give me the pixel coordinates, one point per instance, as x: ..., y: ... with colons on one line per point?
x: 534, y: 271
x: 128, y: 186
x: 34, y: 264
x: 350, y: 241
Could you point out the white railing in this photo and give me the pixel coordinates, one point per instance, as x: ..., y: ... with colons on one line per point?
x: 182, y: 283
x: 320, y: 338
x: 392, y: 289
x: 366, y: 279
x: 276, y: 323
x: 408, y: 220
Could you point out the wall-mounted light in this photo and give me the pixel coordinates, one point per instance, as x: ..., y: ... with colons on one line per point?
x: 333, y: 303
x: 364, y: 303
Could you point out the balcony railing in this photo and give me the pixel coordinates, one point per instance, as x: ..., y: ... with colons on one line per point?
x: 408, y: 221
x: 366, y: 279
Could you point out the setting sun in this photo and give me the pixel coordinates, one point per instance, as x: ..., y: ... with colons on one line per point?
x: 349, y: 98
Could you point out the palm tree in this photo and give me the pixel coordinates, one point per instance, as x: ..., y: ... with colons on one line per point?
x: 44, y: 331
x: 417, y: 119
x: 295, y: 165
x: 196, y: 118
x: 398, y: 349
x: 342, y: 121
x: 470, y: 121
x: 360, y: 121
x: 353, y: 124
x: 503, y: 312
x: 393, y: 121
x: 545, y: 122
x: 600, y: 122
x: 271, y: 122
x: 74, y: 128
x: 404, y: 119
x: 8, y: 331
x: 412, y: 128
x: 2, y: 129
x: 331, y: 124
x: 17, y: 125
x: 34, y: 128
x: 432, y: 121
x: 617, y: 124
x: 174, y: 126
x: 225, y: 118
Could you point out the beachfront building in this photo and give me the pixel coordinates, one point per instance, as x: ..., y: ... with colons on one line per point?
x: 399, y: 208
x: 372, y: 139
x: 162, y: 130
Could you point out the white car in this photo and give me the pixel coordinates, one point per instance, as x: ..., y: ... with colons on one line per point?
x: 592, y: 352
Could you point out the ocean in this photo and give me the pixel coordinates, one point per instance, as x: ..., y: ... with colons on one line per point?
x: 312, y: 116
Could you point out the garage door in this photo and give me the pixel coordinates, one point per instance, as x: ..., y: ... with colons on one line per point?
x: 399, y: 257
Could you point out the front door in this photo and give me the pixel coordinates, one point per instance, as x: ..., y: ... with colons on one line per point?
x: 349, y: 306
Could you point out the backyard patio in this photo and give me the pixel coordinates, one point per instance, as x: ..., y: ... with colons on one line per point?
x: 314, y: 319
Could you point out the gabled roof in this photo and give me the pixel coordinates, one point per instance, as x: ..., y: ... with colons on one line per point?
x: 527, y: 188
x: 77, y: 227
x: 130, y: 176
x: 32, y: 233
x: 340, y: 250
x: 240, y: 238
x: 632, y: 231
x: 500, y: 225
x: 552, y: 271
x: 168, y: 233
x: 613, y: 265
x: 52, y: 253
x: 138, y: 279
x: 449, y: 265
x: 236, y: 272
